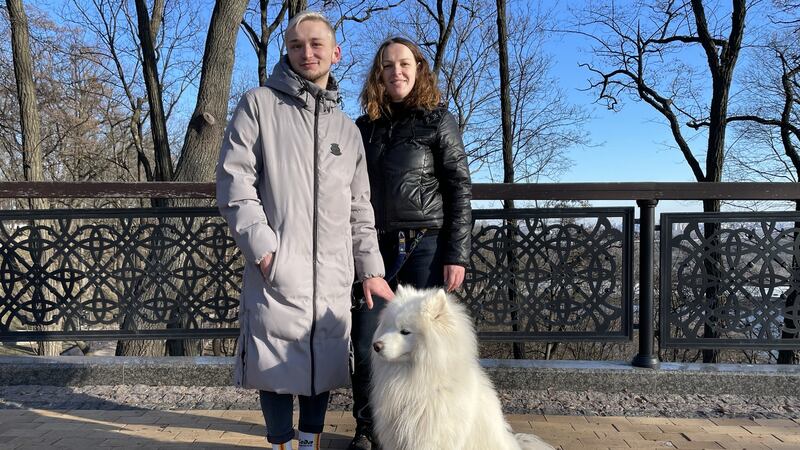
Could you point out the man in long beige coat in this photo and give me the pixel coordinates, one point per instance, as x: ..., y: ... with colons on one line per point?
x: 293, y: 187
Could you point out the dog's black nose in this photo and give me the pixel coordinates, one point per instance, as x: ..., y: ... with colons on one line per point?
x: 378, y: 346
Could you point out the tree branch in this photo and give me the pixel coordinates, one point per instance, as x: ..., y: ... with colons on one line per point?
x: 705, y: 36
x: 428, y: 9
x: 251, y: 34
x: 685, y: 39
x: 367, y: 14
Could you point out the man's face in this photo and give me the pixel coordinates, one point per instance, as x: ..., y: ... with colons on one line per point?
x: 312, y: 51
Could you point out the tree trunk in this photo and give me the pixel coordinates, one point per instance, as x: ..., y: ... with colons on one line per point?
x: 263, y: 44
x: 296, y: 7
x: 204, y: 134
x: 31, y: 140
x: 721, y: 63
x: 200, y: 150
x: 148, y: 28
x: 260, y: 40
x: 158, y: 121
x: 508, y: 162
x: 26, y: 93
x: 445, y: 24
x: 790, y: 320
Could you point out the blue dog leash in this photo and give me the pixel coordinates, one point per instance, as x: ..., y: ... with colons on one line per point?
x: 403, y: 252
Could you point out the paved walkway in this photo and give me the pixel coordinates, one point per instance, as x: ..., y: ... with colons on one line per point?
x: 218, y: 429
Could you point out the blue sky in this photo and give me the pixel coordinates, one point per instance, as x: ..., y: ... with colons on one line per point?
x: 633, y: 144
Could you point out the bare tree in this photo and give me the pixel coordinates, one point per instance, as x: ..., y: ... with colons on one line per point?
x: 26, y: 93
x: 443, y: 15
x: 771, y: 111
x: 31, y: 129
x: 638, y: 58
x: 261, y: 41
x: 768, y: 124
x: 543, y: 124
x: 204, y: 134
x: 114, y: 46
x: 296, y: 6
x: 505, y: 99
x: 148, y: 30
x: 508, y: 157
x: 203, y: 139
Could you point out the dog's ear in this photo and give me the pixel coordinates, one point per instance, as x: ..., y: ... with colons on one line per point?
x: 436, y: 304
x: 400, y: 291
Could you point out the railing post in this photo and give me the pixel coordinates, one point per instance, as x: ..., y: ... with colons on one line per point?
x: 645, y: 357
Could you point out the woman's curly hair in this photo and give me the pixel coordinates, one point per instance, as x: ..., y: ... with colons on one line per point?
x: 425, y: 94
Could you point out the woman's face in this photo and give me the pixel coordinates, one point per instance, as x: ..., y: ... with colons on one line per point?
x: 399, y: 71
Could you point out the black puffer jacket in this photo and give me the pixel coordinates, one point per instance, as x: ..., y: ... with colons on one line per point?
x: 419, y: 177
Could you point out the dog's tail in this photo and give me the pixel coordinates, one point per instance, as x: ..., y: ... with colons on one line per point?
x: 532, y: 442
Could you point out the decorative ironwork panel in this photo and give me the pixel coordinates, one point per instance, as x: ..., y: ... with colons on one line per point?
x: 137, y: 269
x: 543, y: 274
x: 149, y: 273
x: 730, y: 280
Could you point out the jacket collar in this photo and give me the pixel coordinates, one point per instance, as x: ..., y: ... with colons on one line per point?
x: 286, y: 80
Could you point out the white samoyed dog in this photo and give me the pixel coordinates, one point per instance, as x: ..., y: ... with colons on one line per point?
x: 428, y: 389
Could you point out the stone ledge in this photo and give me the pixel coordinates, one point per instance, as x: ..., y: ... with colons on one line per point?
x: 670, y: 378
x: 576, y: 376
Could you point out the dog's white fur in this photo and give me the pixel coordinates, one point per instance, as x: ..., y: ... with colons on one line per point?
x: 428, y: 389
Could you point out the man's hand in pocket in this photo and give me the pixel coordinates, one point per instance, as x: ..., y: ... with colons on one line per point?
x: 266, y: 265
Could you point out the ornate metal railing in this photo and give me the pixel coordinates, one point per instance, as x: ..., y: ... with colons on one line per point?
x: 117, y: 273
x: 153, y: 273
x: 730, y: 280
x: 551, y: 274
x: 723, y: 284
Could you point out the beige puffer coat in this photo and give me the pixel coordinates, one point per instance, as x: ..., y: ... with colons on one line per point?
x: 292, y: 180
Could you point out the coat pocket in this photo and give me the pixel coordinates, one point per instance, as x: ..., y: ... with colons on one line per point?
x: 273, y: 268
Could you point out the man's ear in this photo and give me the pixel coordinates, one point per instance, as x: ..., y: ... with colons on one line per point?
x: 337, y: 55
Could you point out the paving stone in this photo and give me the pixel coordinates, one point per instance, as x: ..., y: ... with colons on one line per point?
x: 177, y: 417
x: 697, y: 444
x: 743, y: 446
x: 789, y: 438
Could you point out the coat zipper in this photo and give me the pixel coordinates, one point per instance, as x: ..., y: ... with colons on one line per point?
x: 245, y: 337
x: 317, y: 102
x: 387, y: 145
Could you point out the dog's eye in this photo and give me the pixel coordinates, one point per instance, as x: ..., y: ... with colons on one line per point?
x: 404, y: 332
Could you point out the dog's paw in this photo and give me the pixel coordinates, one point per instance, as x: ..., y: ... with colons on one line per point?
x: 532, y: 442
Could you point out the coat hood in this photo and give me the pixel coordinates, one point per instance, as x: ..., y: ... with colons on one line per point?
x: 286, y: 80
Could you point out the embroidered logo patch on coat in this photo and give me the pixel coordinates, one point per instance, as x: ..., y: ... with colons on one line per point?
x: 335, y: 149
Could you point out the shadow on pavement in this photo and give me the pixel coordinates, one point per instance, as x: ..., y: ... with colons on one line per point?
x: 80, y: 421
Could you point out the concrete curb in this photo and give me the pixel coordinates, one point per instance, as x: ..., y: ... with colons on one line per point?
x: 575, y: 376
x: 670, y: 378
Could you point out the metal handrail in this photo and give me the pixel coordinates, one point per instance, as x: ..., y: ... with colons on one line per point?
x: 480, y: 191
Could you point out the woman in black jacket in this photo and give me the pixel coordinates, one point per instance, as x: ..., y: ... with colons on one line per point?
x: 420, y: 190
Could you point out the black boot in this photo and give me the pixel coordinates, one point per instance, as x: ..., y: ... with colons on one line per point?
x: 365, y: 322
x: 363, y: 440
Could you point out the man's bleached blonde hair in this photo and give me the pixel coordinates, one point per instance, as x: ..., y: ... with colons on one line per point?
x: 309, y: 15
